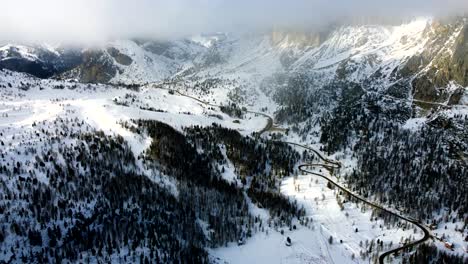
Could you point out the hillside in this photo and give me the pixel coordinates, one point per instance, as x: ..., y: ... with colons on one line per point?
x: 145, y: 150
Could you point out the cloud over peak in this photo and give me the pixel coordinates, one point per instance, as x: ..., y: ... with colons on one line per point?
x: 100, y: 20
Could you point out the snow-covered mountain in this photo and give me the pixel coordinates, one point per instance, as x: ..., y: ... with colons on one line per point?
x: 422, y: 53
x: 142, y: 150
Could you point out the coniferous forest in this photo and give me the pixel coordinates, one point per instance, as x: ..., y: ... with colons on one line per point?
x: 234, y: 132
x: 99, y: 205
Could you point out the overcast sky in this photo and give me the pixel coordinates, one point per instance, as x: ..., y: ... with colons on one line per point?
x: 99, y: 20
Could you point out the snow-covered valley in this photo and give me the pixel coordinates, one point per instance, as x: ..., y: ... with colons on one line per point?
x: 336, y: 231
x: 167, y: 151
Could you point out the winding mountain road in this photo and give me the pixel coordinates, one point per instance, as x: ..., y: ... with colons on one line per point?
x: 427, y: 234
x: 330, y: 165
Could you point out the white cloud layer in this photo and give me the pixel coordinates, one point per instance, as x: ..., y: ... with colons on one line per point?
x: 99, y: 20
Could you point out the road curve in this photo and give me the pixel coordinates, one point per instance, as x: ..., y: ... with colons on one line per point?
x: 337, y: 165
x: 331, y: 164
x: 267, y: 127
x: 269, y: 124
x: 426, y: 236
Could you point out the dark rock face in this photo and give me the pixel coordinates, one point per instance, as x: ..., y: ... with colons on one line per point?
x: 170, y: 50
x: 425, y: 89
x: 97, y: 67
x: 119, y: 56
x: 436, y: 68
x: 156, y: 47
x: 460, y: 58
x: 456, y: 96
x: 398, y: 90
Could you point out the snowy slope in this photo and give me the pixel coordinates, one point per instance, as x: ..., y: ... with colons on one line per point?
x: 151, y: 65
x: 362, y: 50
x: 223, y: 68
x: 311, y: 244
x: 31, y: 100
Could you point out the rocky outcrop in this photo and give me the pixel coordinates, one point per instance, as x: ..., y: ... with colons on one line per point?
x: 460, y: 58
x: 97, y: 67
x: 298, y: 38
x: 442, y: 64
x: 119, y: 57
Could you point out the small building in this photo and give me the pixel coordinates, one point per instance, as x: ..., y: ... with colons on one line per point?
x: 448, y: 245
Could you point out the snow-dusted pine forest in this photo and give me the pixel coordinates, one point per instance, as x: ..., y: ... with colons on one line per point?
x: 344, y: 145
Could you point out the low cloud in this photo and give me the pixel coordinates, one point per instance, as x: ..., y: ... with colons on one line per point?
x: 99, y: 20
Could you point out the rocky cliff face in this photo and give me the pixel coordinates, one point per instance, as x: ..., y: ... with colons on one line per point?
x: 439, y: 71
x: 298, y: 39
x: 460, y: 57
x: 97, y: 67
x: 119, y: 57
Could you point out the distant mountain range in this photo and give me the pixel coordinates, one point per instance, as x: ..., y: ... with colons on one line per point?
x: 425, y: 57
